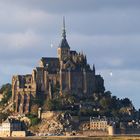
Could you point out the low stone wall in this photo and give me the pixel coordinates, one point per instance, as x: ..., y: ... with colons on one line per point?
x: 18, y: 134
x: 128, y: 131
x: 49, y: 114
x: 5, y: 134
x: 95, y: 133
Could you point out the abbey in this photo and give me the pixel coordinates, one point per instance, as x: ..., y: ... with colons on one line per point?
x: 69, y: 73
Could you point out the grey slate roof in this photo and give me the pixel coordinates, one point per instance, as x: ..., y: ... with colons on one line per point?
x: 73, y: 52
x: 64, y: 43
x: 48, y: 60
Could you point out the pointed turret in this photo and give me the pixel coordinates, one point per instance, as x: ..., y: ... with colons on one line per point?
x: 64, y: 43
x: 63, y: 48
x: 94, y: 69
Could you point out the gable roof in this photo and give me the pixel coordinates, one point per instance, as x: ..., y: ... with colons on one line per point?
x: 7, y: 120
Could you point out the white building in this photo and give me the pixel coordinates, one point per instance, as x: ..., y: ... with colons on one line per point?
x: 5, y: 129
x: 97, y: 123
x: 8, y: 126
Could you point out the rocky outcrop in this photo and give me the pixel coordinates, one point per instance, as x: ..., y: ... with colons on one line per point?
x: 57, y: 123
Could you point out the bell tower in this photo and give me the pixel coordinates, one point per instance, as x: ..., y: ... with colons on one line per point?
x: 63, y: 50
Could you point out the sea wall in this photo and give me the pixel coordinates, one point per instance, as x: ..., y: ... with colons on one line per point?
x: 128, y: 131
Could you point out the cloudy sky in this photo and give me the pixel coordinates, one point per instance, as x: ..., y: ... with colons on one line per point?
x: 108, y: 31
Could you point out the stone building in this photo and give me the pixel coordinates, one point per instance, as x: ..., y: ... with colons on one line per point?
x: 8, y: 126
x: 68, y: 73
x: 97, y: 123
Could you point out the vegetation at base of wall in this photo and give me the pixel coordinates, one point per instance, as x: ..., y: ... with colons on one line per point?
x: 3, y: 116
x: 59, y: 103
x: 103, y: 104
x: 34, y: 119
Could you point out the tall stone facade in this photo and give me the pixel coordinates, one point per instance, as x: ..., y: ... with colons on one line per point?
x: 69, y: 73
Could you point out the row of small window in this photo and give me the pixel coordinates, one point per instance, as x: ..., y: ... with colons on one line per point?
x: 5, y: 131
x: 96, y: 126
x: 65, y: 51
x: 98, y: 123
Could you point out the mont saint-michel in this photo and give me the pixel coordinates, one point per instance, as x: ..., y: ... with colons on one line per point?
x: 69, y: 73
x: 64, y: 96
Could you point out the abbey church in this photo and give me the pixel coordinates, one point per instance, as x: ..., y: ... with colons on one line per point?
x: 68, y: 73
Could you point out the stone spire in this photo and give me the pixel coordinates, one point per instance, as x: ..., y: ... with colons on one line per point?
x: 94, y: 69
x: 63, y: 29
x: 64, y: 43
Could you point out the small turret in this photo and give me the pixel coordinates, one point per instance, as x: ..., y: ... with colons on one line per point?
x: 94, y: 69
x: 85, y: 58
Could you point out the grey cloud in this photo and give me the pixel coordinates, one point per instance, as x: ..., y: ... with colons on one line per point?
x: 120, y: 18
x: 115, y: 52
x: 61, y: 6
x: 106, y: 30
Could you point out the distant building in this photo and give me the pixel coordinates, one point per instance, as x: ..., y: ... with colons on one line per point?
x: 8, y: 126
x: 5, y: 129
x: 97, y: 123
x: 99, y: 126
x: 69, y: 73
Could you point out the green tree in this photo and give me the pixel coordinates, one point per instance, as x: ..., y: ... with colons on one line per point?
x: 126, y: 102
x: 105, y: 102
x: 3, y: 116
x: 6, y: 90
x: 34, y: 120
